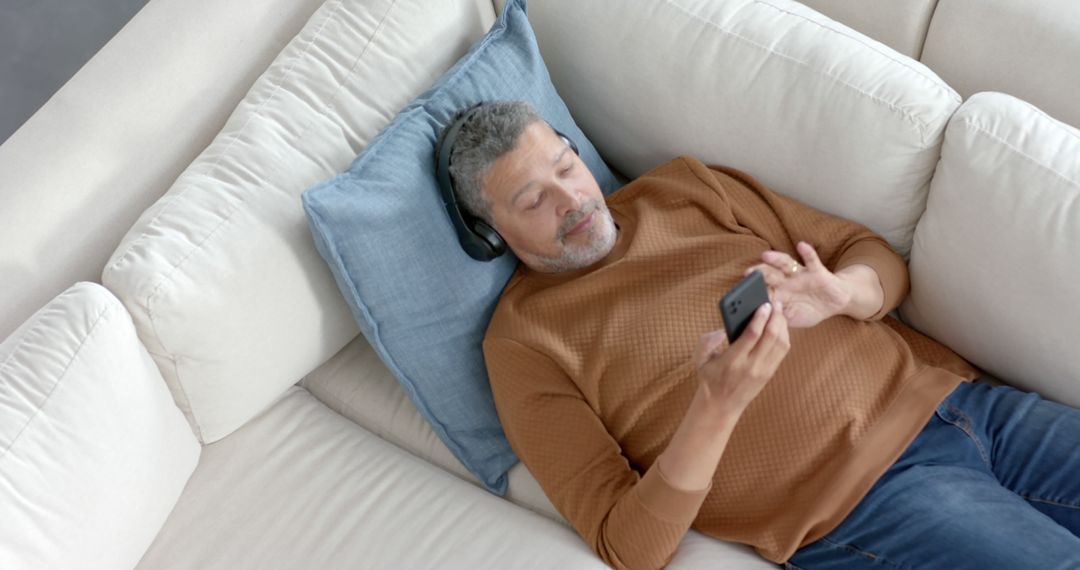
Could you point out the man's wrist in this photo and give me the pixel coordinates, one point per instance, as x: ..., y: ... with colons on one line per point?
x: 866, y: 293
x: 693, y: 452
x: 716, y: 410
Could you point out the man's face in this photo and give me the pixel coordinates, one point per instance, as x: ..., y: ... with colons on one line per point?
x: 546, y: 204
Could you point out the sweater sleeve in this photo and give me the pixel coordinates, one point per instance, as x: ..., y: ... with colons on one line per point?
x: 630, y: 521
x: 784, y: 221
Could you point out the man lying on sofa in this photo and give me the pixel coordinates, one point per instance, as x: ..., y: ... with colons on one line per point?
x: 826, y: 436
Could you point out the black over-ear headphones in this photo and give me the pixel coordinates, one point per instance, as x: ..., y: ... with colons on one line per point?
x: 476, y: 236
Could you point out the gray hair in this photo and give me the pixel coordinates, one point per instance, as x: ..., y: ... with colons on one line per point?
x: 491, y: 131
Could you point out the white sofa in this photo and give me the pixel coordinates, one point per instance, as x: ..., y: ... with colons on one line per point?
x: 299, y: 450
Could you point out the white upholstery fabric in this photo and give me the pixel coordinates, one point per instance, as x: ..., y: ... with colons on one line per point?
x: 993, y: 272
x: 93, y: 452
x: 900, y: 25
x: 221, y: 274
x: 811, y: 108
x: 357, y: 385
x: 1028, y: 49
x: 117, y: 134
x: 301, y: 487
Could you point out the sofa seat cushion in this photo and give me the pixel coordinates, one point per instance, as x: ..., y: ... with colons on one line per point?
x: 357, y: 385
x: 93, y: 451
x: 300, y: 486
x: 993, y: 271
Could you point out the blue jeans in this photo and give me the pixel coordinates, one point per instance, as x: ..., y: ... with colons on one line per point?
x: 992, y: 481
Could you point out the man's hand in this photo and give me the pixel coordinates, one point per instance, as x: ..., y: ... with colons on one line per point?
x: 810, y: 293
x: 733, y: 377
x: 728, y: 380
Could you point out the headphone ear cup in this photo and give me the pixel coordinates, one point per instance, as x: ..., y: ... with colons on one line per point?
x: 477, y: 238
x: 494, y: 241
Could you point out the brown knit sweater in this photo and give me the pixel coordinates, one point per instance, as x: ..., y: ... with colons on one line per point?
x: 591, y: 374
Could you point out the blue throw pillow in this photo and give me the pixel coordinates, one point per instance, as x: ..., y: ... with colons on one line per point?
x: 417, y: 297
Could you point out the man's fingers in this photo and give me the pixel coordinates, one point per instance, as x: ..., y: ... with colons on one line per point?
x: 749, y: 337
x: 780, y: 261
x: 772, y: 275
x: 774, y: 338
x: 810, y: 257
x: 781, y: 342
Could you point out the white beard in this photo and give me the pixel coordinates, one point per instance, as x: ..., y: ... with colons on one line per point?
x: 601, y: 238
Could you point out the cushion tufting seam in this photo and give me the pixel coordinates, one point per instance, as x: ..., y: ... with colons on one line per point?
x: 925, y: 31
x: 952, y: 93
x: 232, y: 210
x: 89, y: 333
x: 356, y: 62
x: 167, y: 355
x: 235, y: 136
x: 49, y: 312
x: 972, y: 126
x: 920, y: 125
x: 1069, y: 130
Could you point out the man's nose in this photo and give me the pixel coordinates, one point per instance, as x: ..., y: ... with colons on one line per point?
x: 570, y: 200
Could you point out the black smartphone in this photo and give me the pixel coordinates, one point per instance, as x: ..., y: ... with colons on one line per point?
x: 739, y: 304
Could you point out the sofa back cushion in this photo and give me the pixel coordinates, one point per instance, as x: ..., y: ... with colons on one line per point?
x: 221, y: 274
x: 993, y: 270
x: 1028, y: 49
x: 93, y: 451
x: 899, y: 25
x: 809, y: 107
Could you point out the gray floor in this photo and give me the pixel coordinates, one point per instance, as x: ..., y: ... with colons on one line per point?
x: 44, y: 42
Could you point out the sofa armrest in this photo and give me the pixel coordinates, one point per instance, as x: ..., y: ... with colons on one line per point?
x: 93, y: 451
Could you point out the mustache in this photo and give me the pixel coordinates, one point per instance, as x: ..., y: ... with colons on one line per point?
x: 576, y: 216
